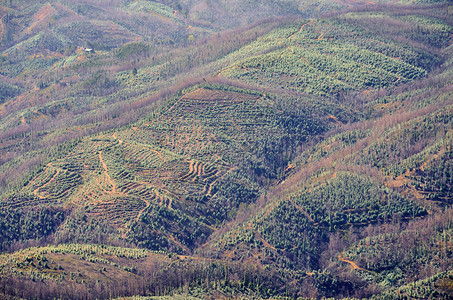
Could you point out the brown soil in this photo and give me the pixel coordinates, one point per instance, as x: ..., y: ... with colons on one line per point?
x: 36, y: 191
x: 142, y: 210
x: 353, y: 264
x: 172, y: 238
x: 42, y: 17
x: 301, y: 28
x: 259, y: 237
x: 404, y: 179
x: 109, y: 180
x: 299, y: 208
x: 217, y: 179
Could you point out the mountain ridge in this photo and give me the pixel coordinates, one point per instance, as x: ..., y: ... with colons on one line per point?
x: 291, y: 159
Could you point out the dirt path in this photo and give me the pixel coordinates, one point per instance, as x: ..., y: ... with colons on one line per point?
x: 265, y: 243
x: 183, y: 257
x: 193, y: 169
x: 292, y: 50
x: 201, y: 170
x: 260, y: 237
x: 191, y: 166
x: 404, y: 179
x: 172, y: 238
x: 161, y: 198
x: 142, y: 210
x: 208, y: 192
x: 301, y: 28
x: 2, y: 27
x: 36, y: 191
x: 307, y: 62
x: 432, y: 158
x: 159, y: 154
x: 217, y: 179
x: 115, y: 136
x: 109, y: 180
x: 299, y: 208
x: 353, y: 264
x: 269, y: 209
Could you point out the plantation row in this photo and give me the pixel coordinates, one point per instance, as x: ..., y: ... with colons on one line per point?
x: 122, y: 178
x: 318, y: 57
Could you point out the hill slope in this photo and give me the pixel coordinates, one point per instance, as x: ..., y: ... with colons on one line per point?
x: 304, y: 148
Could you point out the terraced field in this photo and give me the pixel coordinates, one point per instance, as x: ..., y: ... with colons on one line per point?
x: 188, y: 160
x: 290, y: 158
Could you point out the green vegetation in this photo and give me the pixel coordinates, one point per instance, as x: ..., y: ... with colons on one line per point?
x: 155, y: 149
x: 391, y: 258
x: 168, y: 180
x: 112, y: 271
x: 350, y: 199
x: 19, y: 224
x: 436, y: 287
x: 334, y: 56
x: 7, y: 91
x: 152, y: 7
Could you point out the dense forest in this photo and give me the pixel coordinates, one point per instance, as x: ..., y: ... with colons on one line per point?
x: 194, y: 149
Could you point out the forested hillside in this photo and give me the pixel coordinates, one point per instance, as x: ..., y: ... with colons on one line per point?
x: 196, y: 149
